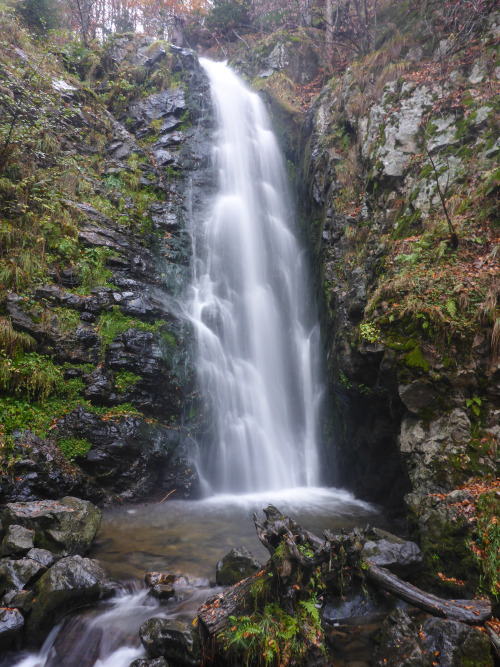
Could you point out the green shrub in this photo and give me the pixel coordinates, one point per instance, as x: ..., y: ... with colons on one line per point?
x: 40, y: 15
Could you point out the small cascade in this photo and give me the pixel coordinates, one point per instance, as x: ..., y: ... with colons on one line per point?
x: 258, y: 338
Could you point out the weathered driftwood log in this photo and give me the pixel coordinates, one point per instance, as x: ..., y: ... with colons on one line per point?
x: 466, y: 611
x: 237, y: 600
x: 297, y: 558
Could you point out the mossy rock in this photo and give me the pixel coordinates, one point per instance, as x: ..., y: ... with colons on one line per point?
x: 238, y: 564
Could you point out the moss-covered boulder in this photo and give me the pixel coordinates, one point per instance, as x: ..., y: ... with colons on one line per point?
x: 70, y: 583
x: 238, y: 564
x: 64, y: 527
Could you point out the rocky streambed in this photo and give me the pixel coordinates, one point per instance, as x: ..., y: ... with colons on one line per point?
x: 149, y: 619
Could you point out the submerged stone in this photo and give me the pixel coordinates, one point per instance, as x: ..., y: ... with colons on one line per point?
x: 174, y: 640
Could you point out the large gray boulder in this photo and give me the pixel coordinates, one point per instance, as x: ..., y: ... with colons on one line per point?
x: 456, y: 643
x: 70, y: 583
x: 400, y: 556
x: 238, y: 564
x: 11, y: 624
x: 173, y: 640
x: 64, y: 527
x: 18, y: 574
x: 17, y: 541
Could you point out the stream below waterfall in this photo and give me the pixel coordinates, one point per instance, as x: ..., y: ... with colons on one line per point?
x: 183, y: 537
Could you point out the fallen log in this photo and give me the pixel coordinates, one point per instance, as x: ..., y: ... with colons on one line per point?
x: 466, y: 611
x: 302, y: 564
x: 214, y: 613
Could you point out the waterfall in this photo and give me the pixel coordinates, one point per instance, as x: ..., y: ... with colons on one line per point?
x: 257, y: 332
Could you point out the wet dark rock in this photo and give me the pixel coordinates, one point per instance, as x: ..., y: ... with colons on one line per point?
x: 162, y: 591
x: 417, y: 395
x: 11, y: 624
x: 153, y: 662
x: 174, y: 640
x: 436, y: 641
x: 18, y: 574
x: 456, y: 643
x: 163, y: 157
x: 63, y: 527
x: 42, y: 556
x: 238, y: 564
x: 17, y: 541
x: 130, y: 457
x: 70, y: 583
x: 22, y: 600
x: 400, y: 556
x: 357, y: 609
x: 41, y: 471
x: 163, y: 217
x: 399, y: 643
x: 99, y: 388
x: 168, y: 102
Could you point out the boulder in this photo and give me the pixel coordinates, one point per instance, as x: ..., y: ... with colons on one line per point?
x: 70, y: 583
x: 22, y: 600
x: 41, y: 556
x: 17, y: 541
x: 64, y: 527
x: 437, y: 642
x: 238, y: 564
x: 400, y: 556
x: 356, y: 609
x: 399, y: 643
x: 17, y: 574
x: 162, y: 591
x: 417, y: 395
x: 456, y: 643
x: 11, y: 624
x: 174, y: 640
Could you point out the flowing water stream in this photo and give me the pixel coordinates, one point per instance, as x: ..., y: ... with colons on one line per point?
x: 259, y: 374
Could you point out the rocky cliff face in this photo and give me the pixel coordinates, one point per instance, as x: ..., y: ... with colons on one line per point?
x: 97, y: 394
x: 410, y: 313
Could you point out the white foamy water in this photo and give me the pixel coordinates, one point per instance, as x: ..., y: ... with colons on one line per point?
x: 258, y: 339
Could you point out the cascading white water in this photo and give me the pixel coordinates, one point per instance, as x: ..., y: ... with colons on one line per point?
x: 257, y: 340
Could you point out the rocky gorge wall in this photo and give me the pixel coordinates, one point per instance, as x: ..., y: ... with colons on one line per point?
x: 98, y: 396
x: 410, y: 320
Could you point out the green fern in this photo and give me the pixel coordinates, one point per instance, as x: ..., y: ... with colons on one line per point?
x: 451, y: 308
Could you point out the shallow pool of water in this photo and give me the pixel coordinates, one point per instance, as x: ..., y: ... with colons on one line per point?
x: 190, y: 537
x: 184, y: 537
